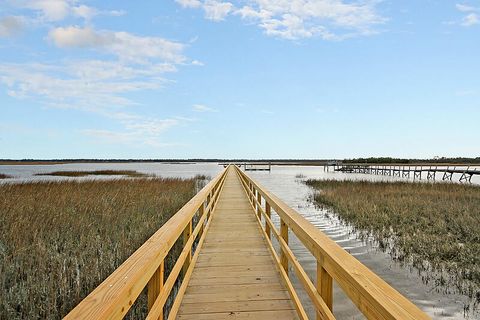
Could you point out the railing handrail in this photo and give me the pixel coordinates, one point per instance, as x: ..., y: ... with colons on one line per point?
x: 115, y: 295
x: 371, y: 294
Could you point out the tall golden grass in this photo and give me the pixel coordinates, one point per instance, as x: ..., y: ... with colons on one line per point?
x: 434, y: 226
x: 128, y: 173
x: 59, y: 240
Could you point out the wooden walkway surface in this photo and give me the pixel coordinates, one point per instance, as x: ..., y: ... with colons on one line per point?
x: 235, y: 275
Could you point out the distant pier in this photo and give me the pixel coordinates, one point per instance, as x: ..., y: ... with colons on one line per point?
x: 261, y: 166
x: 465, y: 172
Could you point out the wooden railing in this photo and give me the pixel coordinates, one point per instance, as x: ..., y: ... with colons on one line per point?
x: 373, y: 296
x: 113, y: 298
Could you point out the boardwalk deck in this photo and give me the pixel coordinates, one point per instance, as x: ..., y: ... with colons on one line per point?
x: 234, y: 272
x: 235, y: 275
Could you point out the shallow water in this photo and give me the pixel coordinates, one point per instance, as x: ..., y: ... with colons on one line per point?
x: 283, y: 182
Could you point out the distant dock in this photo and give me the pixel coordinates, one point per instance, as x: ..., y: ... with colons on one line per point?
x: 261, y: 166
x: 417, y: 171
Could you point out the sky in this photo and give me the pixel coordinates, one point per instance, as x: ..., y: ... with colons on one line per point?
x: 298, y: 79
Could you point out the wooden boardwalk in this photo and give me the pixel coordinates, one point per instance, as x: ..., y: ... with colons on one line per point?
x: 235, y: 275
x: 232, y: 270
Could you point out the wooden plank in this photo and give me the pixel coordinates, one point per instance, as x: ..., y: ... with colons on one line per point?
x: 225, y: 288
x: 226, y: 269
x: 236, y: 279
x: 236, y: 306
x: 245, y: 295
x: 264, y: 315
x: 206, y: 273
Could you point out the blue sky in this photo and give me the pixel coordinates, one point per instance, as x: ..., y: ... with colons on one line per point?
x: 239, y: 79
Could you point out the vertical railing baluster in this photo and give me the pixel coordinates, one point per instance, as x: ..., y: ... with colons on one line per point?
x: 155, y: 286
x: 201, y: 211
x: 268, y: 212
x: 259, y: 205
x: 186, y: 235
x: 284, y: 235
x: 210, y: 209
x: 324, y: 285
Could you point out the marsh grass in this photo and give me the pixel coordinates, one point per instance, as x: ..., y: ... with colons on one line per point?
x: 436, y: 227
x: 127, y: 173
x: 59, y: 240
x: 4, y: 176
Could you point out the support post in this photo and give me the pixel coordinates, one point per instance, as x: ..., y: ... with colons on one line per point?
x: 324, y: 285
x: 155, y: 286
x: 284, y: 235
x: 259, y: 205
x: 268, y: 212
x: 209, y: 212
x: 186, y: 235
x: 201, y: 210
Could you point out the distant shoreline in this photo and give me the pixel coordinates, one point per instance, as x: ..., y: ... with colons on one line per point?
x: 299, y: 162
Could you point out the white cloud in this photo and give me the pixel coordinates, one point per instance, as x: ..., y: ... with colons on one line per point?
x: 51, y: 10
x: 103, y: 86
x: 122, y: 44
x: 137, y: 130
x: 97, y: 87
x: 197, y: 63
x: 58, y: 10
x: 73, y: 36
x: 295, y: 19
x: 84, y: 12
x: 10, y: 25
x: 189, y: 3
x: 216, y: 10
x: 92, y: 85
x: 465, y: 8
x: 472, y: 16
x: 470, y: 20
x: 202, y: 108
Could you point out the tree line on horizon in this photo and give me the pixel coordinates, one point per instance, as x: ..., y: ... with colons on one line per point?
x: 392, y: 160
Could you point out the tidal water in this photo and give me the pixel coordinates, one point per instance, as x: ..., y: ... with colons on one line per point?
x: 287, y: 183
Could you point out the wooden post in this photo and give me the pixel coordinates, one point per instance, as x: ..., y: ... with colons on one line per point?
x: 259, y: 205
x: 324, y: 285
x: 284, y: 235
x: 155, y: 286
x: 201, y: 210
x: 268, y: 212
x: 186, y: 235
